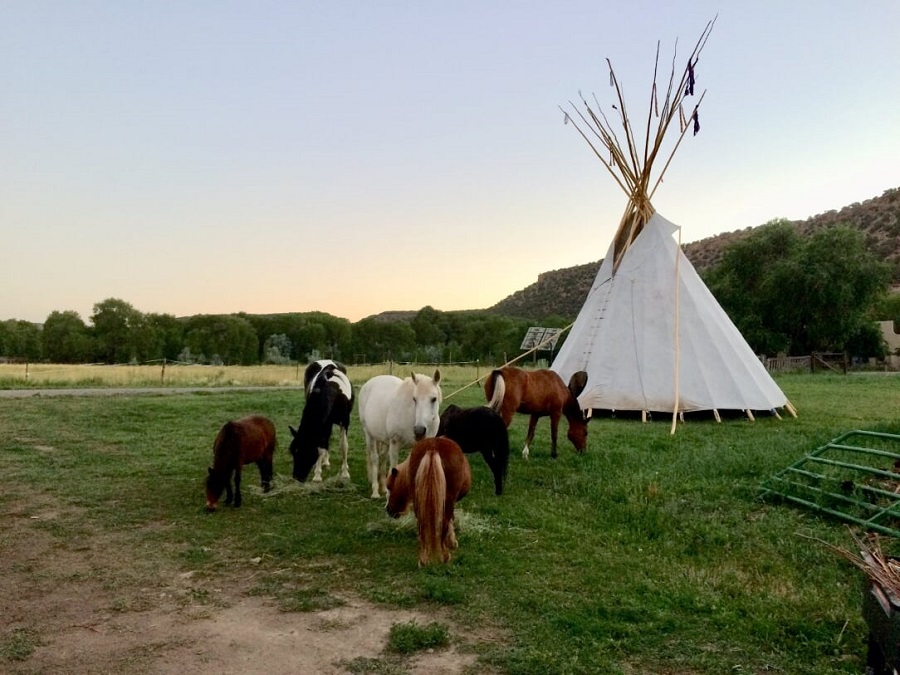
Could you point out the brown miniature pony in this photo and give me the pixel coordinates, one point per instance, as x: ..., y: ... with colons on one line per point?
x: 539, y: 393
x: 249, y: 439
x: 434, y: 477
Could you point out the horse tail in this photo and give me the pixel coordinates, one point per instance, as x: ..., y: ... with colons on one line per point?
x: 431, y: 495
x: 499, y: 386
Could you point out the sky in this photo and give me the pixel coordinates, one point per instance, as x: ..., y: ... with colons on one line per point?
x: 222, y: 156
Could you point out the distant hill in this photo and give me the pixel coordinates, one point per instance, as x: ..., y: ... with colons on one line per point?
x: 562, y: 292
x: 395, y: 315
x: 556, y: 293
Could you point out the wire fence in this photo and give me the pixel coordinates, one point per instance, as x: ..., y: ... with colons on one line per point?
x: 166, y: 373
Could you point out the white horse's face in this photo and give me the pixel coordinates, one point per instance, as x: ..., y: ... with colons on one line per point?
x: 426, y: 403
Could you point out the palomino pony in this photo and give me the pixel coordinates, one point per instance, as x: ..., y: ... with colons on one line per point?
x: 240, y: 442
x: 434, y: 477
x: 539, y: 393
x: 329, y: 400
x: 479, y: 429
x: 395, y: 413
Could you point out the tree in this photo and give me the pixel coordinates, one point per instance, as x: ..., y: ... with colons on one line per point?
x: 378, y: 340
x: 794, y: 294
x: 490, y: 336
x: 168, y: 333
x: 66, y: 338
x: 114, y: 321
x: 427, y: 325
x: 888, y: 309
x: 20, y: 340
x: 277, y: 349
x: 743, y: 286
x: 842, y: 283
x: 338, y: 336
x: 222, y: 338
x: 308, y: 332
x: 311, y: 338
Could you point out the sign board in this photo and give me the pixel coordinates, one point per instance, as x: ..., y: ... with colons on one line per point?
x: 542, y: 339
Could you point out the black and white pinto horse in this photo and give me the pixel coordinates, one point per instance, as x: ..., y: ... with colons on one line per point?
x: 309, y: 377
x: 479, y: 429
x: 329, y: 401
x: 316, y: 367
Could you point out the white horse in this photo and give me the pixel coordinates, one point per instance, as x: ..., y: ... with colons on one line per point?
x: 394, y: 414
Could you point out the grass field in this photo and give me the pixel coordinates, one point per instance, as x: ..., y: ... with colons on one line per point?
x: 54, y: 375
x: 649, y: 554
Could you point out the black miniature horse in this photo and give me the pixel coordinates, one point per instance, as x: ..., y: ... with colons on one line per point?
x: 249, y: 439
x: 479, y: 429
x: 329, y: 401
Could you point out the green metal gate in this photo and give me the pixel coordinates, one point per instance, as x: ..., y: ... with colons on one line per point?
x: 854, y: 477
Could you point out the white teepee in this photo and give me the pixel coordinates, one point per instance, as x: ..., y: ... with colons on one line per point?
x: 651, y: 336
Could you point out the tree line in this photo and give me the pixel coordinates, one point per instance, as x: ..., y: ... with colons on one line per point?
x: 797, y: 294
x: 116, y: 332
x: 785, y: 292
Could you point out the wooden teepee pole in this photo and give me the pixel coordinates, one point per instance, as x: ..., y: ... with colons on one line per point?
x: 676, y: 338
x: 632, y: 166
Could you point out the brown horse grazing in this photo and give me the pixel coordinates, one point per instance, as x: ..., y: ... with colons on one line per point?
x: 539, y: 393
x: 249, y: 439
x: 434, y: 477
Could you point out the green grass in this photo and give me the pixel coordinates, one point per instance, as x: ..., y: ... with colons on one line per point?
x: 18, y: 644
x: 411, y: 637
x: 649, y: 554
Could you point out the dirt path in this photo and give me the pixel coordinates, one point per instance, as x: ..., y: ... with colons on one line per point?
x: 73, y: 601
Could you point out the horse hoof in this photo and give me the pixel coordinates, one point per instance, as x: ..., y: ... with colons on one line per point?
x: 317, y: 479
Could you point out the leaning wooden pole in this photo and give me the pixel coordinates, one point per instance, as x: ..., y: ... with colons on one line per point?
x: 511, y: 361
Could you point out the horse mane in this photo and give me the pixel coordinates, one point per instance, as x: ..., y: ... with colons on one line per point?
x: 311, y: 420
x: 577, y: 384
x: 431, y: 494
x: 227, y: 443
x: 215, y: 480
x: 571, y: 408
x: 226, y: 455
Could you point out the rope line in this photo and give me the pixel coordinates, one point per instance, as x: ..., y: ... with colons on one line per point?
x: 512, y: 361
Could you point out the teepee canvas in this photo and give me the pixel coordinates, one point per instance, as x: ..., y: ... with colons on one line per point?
x: 650, y: 335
